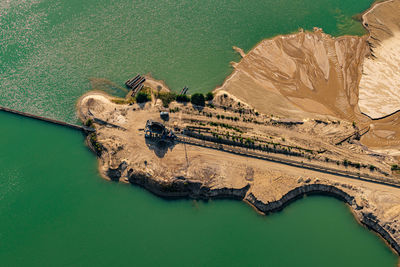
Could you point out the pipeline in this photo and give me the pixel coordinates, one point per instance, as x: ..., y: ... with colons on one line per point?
x: 32, y: 116
x: 130, y: 81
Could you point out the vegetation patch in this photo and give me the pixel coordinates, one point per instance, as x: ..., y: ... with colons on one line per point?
x: 395, y: 168
x: 198, y: 100
x: 143, y: 97
x: 174, y: 110
x: 166, y: 98
x: 224, y: 125
x: 98, y: 148
x: 123, y: 101
x: 89, y: 123
x: 209, y: 96
x: 182, y: 98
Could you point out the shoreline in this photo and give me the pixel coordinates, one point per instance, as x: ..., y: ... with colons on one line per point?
x: 181, y: 187
x: 169, y: 183
x: 300, y: 192
x: 374, y: 5
x: 197, y: 192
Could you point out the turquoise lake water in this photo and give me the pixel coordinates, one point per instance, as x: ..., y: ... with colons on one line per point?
x: 55, y: 210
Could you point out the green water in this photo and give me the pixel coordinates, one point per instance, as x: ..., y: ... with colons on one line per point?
x: 54, y: 208
x: 56, y: 211
x: 50, y: 49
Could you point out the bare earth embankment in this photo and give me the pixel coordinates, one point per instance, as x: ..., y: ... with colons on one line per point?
x: 287, y: 122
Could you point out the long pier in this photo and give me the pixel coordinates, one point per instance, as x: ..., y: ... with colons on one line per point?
x: 36, y: 117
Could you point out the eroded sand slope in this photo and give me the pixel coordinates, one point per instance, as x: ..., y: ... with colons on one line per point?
x: 312, y: 74
x: 299, y: 74
x: 380, y: 83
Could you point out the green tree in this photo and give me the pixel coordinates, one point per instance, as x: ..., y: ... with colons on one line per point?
x: 182, y: 98
x: 209, y: 96
x: 372, y: 167
x: 166, y: 98
x: 142, y: 97
x: 198, y: 99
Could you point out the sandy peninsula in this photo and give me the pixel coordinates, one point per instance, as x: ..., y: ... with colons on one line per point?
x: 287, y: 122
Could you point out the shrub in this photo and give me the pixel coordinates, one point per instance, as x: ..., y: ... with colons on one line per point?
x: 95, y: 144
x: 209, y: 96
x: 182, y: 98
x: 118, y: 101
x: 198, y: 100
x: 142, y: 97
x: 210, y: 105
x: 372, y: 167
x: 173, y: 110
x: 89, y: 122
x: 166, y: 98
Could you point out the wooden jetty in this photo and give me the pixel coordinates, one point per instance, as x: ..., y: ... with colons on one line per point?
x: 137, y: 90
x: 184, y: 90
x: 132, y: 81
x: 135, y: 84
x: 36, y: 117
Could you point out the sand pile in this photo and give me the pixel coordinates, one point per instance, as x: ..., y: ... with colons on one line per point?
x: 380, y: 82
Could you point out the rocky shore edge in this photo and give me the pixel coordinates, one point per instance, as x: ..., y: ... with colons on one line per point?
x: 367, y: 219
x: 183, y: 188
x: 189, y: 188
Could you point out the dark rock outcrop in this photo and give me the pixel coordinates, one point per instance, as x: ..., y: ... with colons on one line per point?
x: 115, y: 174
x: 366, y: 218
x: 180, y: 187
x: 372, y: 223
x: 297, y: 193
